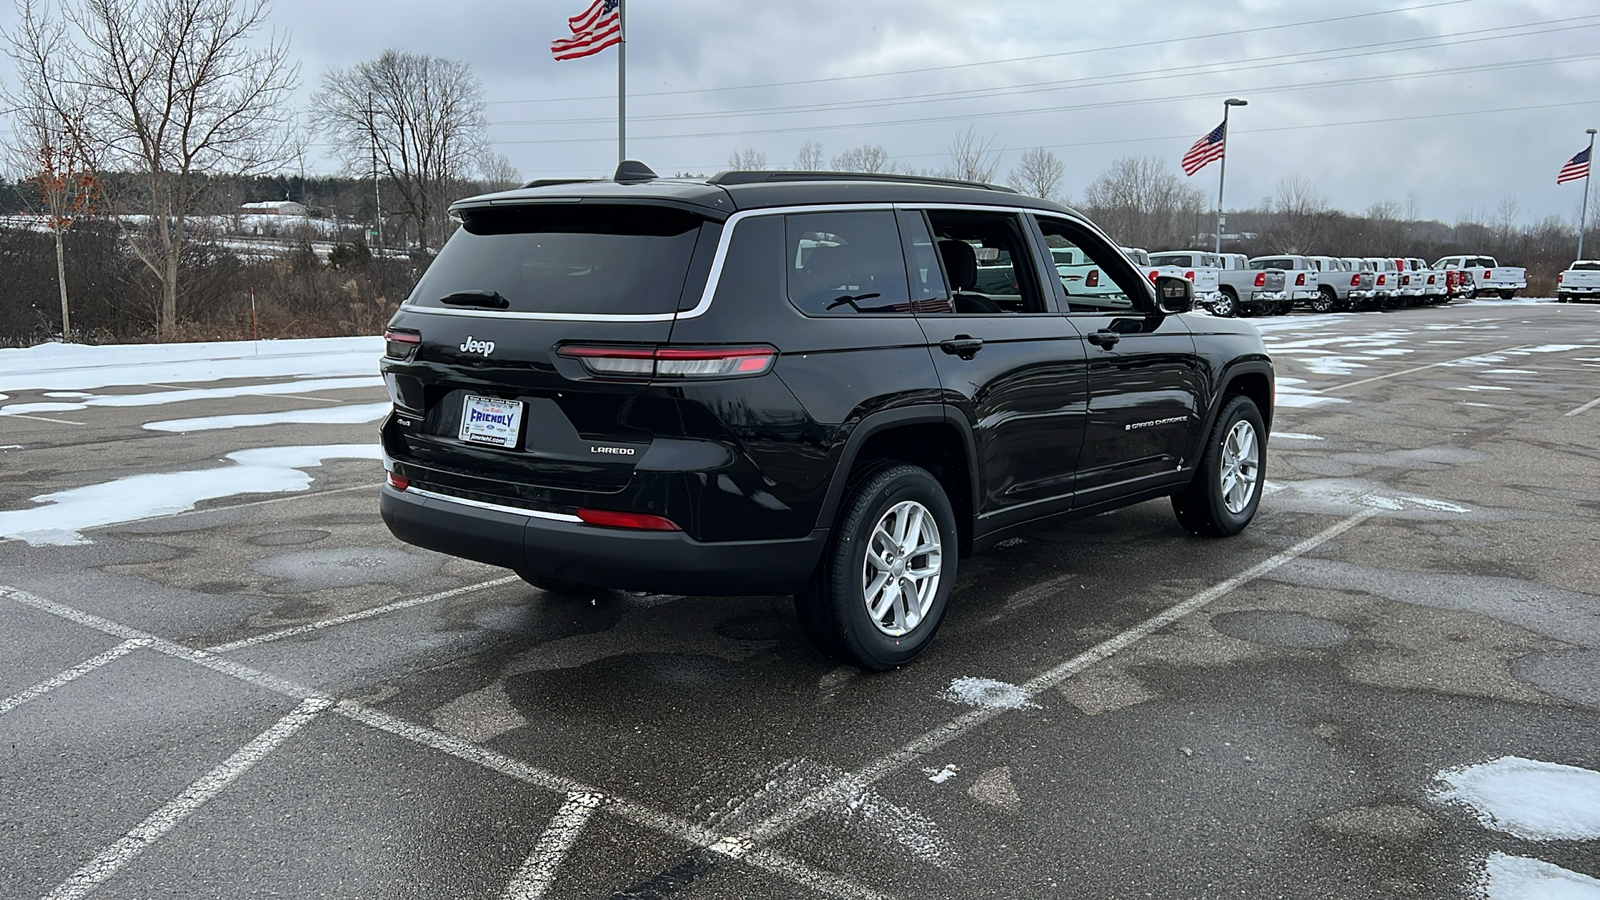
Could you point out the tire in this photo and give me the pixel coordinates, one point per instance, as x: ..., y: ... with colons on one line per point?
x: 1228, y: 306
x: 1507, y: 295
x: 558, y: 586
x: 1283, y: 308
x: 1223, y: 496
x: 834, y: 612
x: 1326, y: 300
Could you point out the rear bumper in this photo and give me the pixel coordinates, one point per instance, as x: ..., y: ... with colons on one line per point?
x: 1267, y: 296
x: 1362, y: 295
x: 659, y: 562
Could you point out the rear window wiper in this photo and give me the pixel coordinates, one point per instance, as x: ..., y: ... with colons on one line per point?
x: 484, y: 299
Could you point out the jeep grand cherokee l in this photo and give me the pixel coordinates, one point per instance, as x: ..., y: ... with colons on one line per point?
x: 825, y: 385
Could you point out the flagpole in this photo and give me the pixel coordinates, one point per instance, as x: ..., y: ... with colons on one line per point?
x: 1583, y: 217
x: 1222, y: 172
x: 622, y: 82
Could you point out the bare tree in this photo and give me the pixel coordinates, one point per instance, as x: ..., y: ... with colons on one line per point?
x: 971, y: 157
x: 171, y: 89
x: 1299, y: 214
x: 809, y: 159
x: 1039, y: 173
x: 1141, y: 202
x: 1507, y: 214
x: 865, y: 158
x: 748, y: 160
x: 498, y: 172
x: 421, y: 116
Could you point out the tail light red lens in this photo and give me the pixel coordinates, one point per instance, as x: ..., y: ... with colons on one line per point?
x: 1261, y: 279
x: 1154, y: 275
x: 635, y: 521
x: 398, y: 483
x: 1093, y: 280
x: 400, y: 344
x: 1300, y: 280
x: 1355, y: 281
x: 644, y: 364
x: 1383, y: 279
x: 1560, y: 277
x: 1189, y: 275
x: 1486, y: 274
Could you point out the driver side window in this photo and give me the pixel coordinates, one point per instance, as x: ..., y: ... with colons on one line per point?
x: 1089, y: 285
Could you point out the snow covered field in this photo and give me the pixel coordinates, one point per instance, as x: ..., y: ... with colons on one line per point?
x: 69, y: 378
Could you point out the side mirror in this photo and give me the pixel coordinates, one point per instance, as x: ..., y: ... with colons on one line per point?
x: 1174, y: 295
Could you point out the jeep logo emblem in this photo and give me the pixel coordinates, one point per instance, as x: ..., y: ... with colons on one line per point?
x: 614, y: 451
x: 474, y: 346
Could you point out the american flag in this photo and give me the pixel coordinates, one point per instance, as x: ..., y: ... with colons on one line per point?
x: 593, y: 30
x: 1205, y: 150
x: 1576, y: 167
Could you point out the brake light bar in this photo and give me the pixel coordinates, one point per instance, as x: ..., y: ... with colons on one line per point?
x: 644, y: 363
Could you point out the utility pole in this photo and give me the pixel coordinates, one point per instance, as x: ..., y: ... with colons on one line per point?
x: 1222, y: 173
x: 1583, y: 217
x: 377, y: 195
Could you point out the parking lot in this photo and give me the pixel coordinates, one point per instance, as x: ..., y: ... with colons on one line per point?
x: 266, y: 695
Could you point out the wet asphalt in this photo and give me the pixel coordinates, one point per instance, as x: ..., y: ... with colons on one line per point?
x: 271, y: 697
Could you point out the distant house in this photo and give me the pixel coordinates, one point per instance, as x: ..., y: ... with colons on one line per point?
x: 276, y: 208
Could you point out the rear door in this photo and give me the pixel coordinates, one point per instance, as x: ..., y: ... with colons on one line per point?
x: 1008, y: 363
x: 480, y: 369
x: 1145, y: 378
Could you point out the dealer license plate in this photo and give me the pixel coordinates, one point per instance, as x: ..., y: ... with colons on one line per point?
x: 492, y: 421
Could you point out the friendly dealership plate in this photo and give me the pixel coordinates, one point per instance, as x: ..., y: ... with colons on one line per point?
x: 492, y: 421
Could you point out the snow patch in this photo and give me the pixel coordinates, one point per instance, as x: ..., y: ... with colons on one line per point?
x: 327, y: 415
x: 1295, y: 436
x: 1527, y: 798
x: 162, y: 398
x: 1507, y: 877
x: 265, y: 470
x: 987, y: 693
x: 76, y: 367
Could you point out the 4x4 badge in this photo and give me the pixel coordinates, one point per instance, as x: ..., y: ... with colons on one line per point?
x: 471, y: 346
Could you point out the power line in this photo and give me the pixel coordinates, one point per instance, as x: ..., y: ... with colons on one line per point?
x: 1172, y: 98
x: 1364, y: 49
x: 1135, y: 46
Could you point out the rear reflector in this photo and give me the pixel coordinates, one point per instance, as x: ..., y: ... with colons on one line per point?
x: 636, y: 521
x: 672, y: 362
x: 398, y: 483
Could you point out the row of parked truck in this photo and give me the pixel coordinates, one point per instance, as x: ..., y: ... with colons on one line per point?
x: 1232, y: 284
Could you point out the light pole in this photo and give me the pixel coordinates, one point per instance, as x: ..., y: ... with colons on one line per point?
x: 1583, y: 217
x: 1222, y: 173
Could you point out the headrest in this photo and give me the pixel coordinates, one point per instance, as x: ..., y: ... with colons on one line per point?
x: 960, y: 262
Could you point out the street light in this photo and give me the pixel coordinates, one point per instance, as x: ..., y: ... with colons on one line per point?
x: 1583, y: 217
x: 1222, y: 174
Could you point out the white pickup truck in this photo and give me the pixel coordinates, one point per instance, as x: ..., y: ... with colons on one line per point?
x: 1204, y: 277
x: 1429, y: 281
x: 1387, y: 288
x: 1302, y: 276
x: 1342, y: 283
x: 1489, y: 275
x: 1239, y: 289
x: 1580, y: 280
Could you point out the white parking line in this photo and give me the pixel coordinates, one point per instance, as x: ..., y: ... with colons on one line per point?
x: 96, y: 871
x: 854, y: 783
x: 41, y: 419
x: 1448, y: 362
x: 533, y: 880
x: 770, y: 861
x: 72, y: 674
x: 357, y: 616
x: 1586, y: 407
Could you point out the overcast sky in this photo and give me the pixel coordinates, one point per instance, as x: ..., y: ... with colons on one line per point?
x: 1478, y: 100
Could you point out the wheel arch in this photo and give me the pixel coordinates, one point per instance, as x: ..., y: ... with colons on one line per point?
x: 1252, y: 378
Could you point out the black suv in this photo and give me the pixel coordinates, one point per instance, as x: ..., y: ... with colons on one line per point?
x: 817, y: 384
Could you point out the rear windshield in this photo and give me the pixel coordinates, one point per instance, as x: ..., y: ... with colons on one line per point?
x: 601, y: 260
x: 1586, y: 267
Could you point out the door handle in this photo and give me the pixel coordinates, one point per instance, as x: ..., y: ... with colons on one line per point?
x: 1104, y: 339
x: 963, y: 345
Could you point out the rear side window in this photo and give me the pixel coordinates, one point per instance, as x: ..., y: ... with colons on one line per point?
x: 566, y: 259
x: 846, y: 263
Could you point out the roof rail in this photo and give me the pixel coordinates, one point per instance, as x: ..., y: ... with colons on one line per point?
x: 547, y: 182
x: 764, y: 177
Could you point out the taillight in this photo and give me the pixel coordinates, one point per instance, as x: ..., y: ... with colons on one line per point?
x: 1355, y: 281
x: 1261, y: 279
x: 1154, y: 275
x: 1560, y: 277
x: 1300, y: 280
x: 644, y: 364
x: 398, y: 483
x: 636, y: 521
x: 400, y: 344
x: 1383, y: 279
x: 1433, y: 279
x: 1189, y: 275
x: 1486, y: 274
x: 1093, y: 280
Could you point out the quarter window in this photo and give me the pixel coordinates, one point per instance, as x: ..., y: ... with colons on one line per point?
x: 1087, y: 273
x: 846, y: 263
